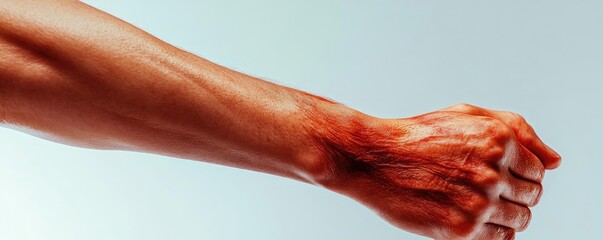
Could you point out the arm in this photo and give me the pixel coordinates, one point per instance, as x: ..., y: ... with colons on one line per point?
x: 85, y: 78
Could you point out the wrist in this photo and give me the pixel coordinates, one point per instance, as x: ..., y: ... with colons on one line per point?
x: 338, y: 134
x: 353, y: 147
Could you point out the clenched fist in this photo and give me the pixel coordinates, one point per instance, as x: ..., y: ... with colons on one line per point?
x: 86, y: 78
x: 459, y: 173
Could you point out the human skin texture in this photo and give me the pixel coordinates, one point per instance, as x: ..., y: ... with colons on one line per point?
x: 73, y: 74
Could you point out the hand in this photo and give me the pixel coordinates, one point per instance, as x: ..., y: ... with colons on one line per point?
x: 459, y: 173
x: 524, y: 133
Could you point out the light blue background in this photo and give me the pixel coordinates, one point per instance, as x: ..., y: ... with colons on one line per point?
x: 542, y: 59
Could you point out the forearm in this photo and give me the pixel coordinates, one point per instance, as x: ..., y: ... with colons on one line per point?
x: 99, y: 82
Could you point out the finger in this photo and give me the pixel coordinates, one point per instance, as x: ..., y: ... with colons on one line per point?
x: 511, y: 215
x: 495, y: 232
x: 523, y: 131
x: 524, y: 164
x: 528, y: 137
x: 522, y: 192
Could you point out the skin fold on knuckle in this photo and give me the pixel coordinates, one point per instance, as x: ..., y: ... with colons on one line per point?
x: 527, y: 196
x: 519, y: 218
x: 527, y: 165
x: 537, y: 193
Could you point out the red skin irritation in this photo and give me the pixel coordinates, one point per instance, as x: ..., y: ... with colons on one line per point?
x: 439, y: 174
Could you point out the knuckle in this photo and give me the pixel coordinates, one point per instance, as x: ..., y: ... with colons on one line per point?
x: 492, y: 124
x: 495, y: 151
x: 476, y: 204
x: 539, y: 175
x: 463, y: 107
x: 517, y: 118
x: 536, y: 194
x: 526, y: 135
x: 525, y: 132
x: 535, y: 171
x: 487, y: 177
x: 499, y: 130
x: 463, y: 226
x: 526, y: 217
x: 505, y: 131
x: 514, y: 119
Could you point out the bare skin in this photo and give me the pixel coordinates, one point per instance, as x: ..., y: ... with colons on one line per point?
x: 75, y: 75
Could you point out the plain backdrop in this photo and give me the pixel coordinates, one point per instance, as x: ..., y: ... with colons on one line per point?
x: 542, y: 59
